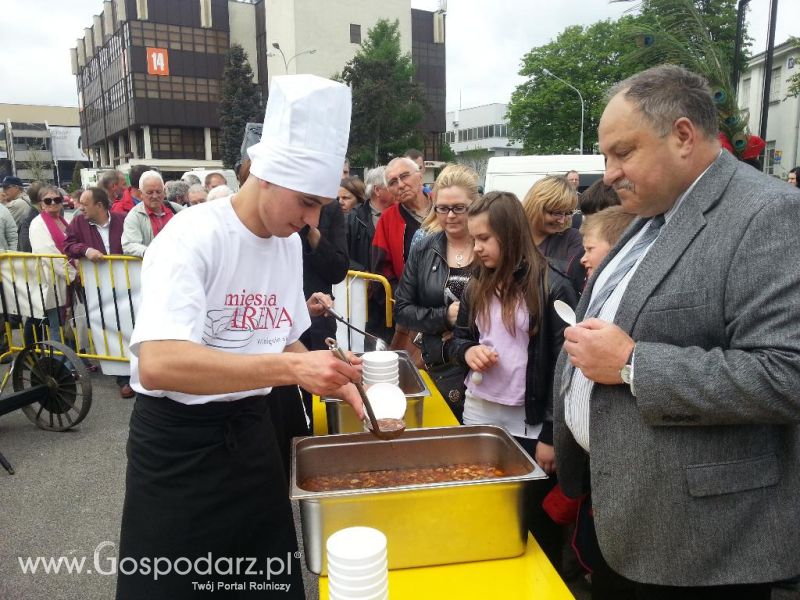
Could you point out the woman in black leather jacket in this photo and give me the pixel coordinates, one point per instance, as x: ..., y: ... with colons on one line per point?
x: 435, y: 275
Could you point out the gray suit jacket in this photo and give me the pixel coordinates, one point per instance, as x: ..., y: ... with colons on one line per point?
x: 696, y: 480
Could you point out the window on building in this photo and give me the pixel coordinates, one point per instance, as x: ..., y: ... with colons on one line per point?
x: 175, y: 37
x: 744, y: 94
x: 355, y: 33
x: 178, y: 142
x: 139, y: 143
x: 775, y: 85
x: 491, y: 131
x: 215, y: 153
x: 173, y: 87
x: 769, y: 158
x: 460, y: 135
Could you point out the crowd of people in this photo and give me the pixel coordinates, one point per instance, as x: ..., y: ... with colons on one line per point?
x: 666, y: 419
x: 114, y: 218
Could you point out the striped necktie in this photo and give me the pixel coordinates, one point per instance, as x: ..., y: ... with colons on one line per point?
x: 623, y: 267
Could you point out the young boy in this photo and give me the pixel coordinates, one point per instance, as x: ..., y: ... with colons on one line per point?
x: 600, y: 232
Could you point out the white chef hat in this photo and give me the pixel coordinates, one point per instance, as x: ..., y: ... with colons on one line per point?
x: 304, y: 140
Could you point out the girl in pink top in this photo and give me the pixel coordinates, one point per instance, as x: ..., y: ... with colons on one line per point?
x: 508, y: 334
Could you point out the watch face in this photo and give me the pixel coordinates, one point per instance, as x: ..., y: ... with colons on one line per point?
x: 625, y: 374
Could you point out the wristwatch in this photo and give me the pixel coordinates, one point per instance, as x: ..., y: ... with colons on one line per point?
x: 626, y: 372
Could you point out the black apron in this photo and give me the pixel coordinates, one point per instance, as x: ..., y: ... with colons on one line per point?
x: 205, y: 489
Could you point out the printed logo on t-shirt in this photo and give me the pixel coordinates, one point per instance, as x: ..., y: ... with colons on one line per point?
x: 247, y: 315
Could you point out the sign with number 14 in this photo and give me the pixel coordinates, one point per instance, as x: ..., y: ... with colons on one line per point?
x: 157, y: 61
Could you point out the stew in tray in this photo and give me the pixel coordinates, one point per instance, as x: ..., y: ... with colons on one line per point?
x: 399, y: 477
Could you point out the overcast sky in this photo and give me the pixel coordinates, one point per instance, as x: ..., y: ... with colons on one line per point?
x: 485, y: 42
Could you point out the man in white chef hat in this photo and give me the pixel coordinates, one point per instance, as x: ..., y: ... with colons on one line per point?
x: 221, y: 314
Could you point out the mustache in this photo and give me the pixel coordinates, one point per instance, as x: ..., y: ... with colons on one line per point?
x: 625, y: 184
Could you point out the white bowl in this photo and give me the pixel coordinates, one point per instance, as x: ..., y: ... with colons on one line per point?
x: 377, y: 576
x: 355, y: 546
x: 378, y: 378
x: 381, y: 371
x: 368, y: 384
x: 381, y: 358
x: 380, y: 563
x: 388, y: 401
x: 352, y: 593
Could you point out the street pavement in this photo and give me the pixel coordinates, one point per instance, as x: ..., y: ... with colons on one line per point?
x: 66, y: 500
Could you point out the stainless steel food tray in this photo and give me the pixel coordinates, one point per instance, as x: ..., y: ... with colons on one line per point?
x: 342, y: 418
x: 426, y: 524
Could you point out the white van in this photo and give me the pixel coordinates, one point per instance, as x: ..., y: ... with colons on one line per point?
x: 229, y: 175
x: 518, y: 173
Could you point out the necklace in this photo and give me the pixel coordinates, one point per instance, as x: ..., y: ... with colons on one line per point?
x: 460, y: 256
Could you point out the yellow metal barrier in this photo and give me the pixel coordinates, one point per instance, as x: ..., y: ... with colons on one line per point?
x: 88, y: 306
x: 387, y: 289
x: 91, y: 306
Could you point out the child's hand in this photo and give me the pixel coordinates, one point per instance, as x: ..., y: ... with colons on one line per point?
x: 480, y: 358
x: 546, y: 457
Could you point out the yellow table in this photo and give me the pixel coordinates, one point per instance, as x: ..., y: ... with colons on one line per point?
x: 526, y: 577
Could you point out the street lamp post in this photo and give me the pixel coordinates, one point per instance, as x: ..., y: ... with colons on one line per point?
x: 286, y: 63
x: 547, y: 72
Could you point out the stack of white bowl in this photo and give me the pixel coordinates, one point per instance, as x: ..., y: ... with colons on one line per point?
x: 381, y: 367
x: 357, y: 565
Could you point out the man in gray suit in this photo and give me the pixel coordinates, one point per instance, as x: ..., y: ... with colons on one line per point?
x: 682, y: 382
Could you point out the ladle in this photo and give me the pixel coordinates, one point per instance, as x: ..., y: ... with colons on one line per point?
x: 566, y: 313
x: 380, y: 345
x: 391, y: 427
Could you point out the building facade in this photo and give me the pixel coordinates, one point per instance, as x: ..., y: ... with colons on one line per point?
x: 481, y: 128
x: 149, y: 72
x: 40, y: 142
x: 783, y: 118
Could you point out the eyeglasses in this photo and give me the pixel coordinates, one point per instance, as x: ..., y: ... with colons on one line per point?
x: 458, y: 209
x: 561, y: 214
x: 56, y: 200
x: 400, y: 178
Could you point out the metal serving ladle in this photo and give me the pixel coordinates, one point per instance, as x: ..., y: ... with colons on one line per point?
x: 385, y: 429
x: 380, y: 345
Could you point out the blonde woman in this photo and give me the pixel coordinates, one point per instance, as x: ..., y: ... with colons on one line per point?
x: 549, y: 206
x: 434, y: 278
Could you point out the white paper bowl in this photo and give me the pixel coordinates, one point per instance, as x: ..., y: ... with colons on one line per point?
x: 382, y: 358
x: 388, y: 401
x: 356, y: 546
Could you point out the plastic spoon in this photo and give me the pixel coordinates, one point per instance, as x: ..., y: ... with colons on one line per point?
x: 565, y: 312
x: 391, y: 427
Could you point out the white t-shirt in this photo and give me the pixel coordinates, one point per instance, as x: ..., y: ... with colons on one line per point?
x: 208, y: 279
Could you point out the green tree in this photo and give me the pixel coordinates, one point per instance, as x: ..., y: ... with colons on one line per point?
x: 76, y: 176
x: 239, y: 103
x: 477, y: 160
x: 544, y: 114
x: 701, y: 36
x: 387, y: 103
x: 709, y: 29
x: 37, y: 167
x: 446, y: 153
